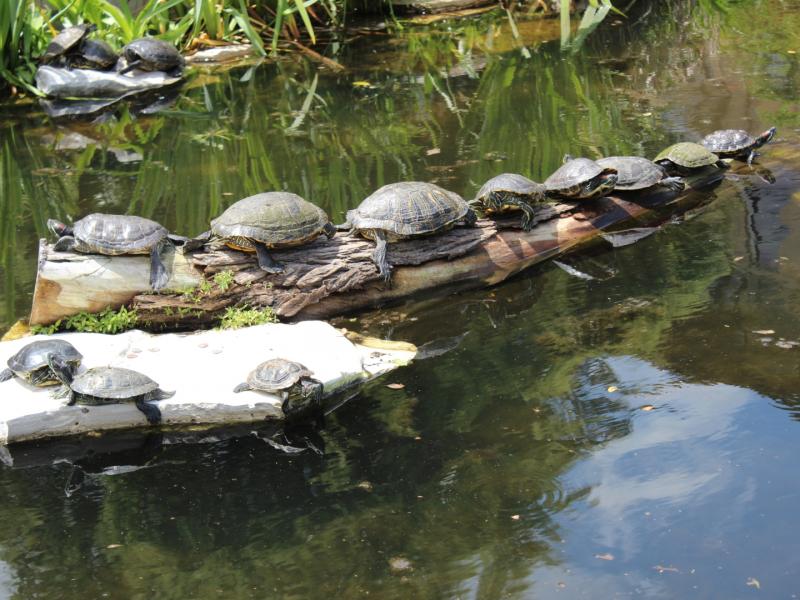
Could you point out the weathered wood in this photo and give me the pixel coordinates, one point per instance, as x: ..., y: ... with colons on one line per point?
x: 333, y: 277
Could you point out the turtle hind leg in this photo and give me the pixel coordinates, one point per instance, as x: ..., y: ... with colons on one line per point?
x: 6, y: 374
x: 265, y: 260
x: 379, y: 256
x: 676, y: 184
x: 158, y: 272
x: 528, y: 213
x: 151, y: 411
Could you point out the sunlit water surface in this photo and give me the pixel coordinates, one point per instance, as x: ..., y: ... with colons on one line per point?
x: 630, y: 435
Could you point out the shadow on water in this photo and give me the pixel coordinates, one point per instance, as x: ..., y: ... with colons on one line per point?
x: 566, y: 436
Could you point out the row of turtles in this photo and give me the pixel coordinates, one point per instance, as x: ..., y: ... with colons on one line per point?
x: 72, y: 48
x: 53, y: 362
x: 398, y: 211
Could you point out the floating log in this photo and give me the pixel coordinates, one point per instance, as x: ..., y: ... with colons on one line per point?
x: 332, y: 277
x: 202, y: 368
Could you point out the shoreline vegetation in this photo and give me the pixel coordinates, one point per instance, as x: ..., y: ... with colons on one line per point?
x: 312, y: 27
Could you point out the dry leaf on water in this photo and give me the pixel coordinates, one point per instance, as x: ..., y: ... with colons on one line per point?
x: 753, y: 582
x: 395, y: 386
x: 605, y: 556
x: 112, y: 546
x: 612, y: 389
x: 662, y: 569
x: 764, y: 331
x: 647, y: 407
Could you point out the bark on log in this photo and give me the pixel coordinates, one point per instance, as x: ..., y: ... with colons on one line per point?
x: 334, y: 277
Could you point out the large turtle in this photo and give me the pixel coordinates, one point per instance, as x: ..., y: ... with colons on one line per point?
x: 637, y: 173
x: 272, y: 220
x: 34, y: 361
x: 510, y: 192
x: 66, y: 41
x: 403, y: 210
x: 684, y: 157
x: 736, y: 143
x: 150, y: 54
x: 117, y: 234
x: 580, y: 179
x: 301, y: 393
x: 112, y: 385
x: 93, y: 54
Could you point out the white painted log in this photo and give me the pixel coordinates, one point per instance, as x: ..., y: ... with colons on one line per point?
x: 202, y: 368
x: 56, y: 82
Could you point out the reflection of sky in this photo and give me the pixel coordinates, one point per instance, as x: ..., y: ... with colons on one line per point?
x: 698, y: 485
x: 8, y: 581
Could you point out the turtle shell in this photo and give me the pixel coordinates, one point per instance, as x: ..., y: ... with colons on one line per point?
x: 275, y: 219
x: 409, y: 208
x: 276, y: 375
x: 98, y: 54
x: 572, y: 173
x: 66, y: 40
x: 633, y: 172
x: 153, y: 54
x: 113, y: 384
x: 688, y: 154
x: 513, y: 184
x: 34, y: 356
x: 117, y: 234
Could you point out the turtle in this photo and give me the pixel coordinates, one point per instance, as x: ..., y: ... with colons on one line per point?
x: 403, y: 210
x: 150, y: 54
x: 301, y: 393
x: 93, y: 54
x: 100, y: 386
x: 581, y: 179
x: 33, y: 362
x: 737, y: 143
x: 637, y: 173
x: 271, y: 220
x: 509, y: 192
x: 113, y: 235
x: 65, y: 41
x: 683, y: 157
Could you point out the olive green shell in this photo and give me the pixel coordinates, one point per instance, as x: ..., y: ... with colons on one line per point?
x: 113, y: 384
x: 96, y: 54
x: 688, y: 154
x: 153, y: 55
x: 512, y: 184
x: 275, y: 219
x: 409, y: 208
x: 276, y: 375
x: 117, y: 234
x: 633, y: 172
x: 66, y: 40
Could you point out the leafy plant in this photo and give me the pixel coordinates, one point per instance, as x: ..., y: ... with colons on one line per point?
x: 236, y: 317
x: 107, y: 321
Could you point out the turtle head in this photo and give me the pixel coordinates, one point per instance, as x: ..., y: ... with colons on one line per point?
x: 602, y: 184
x: 58, y: 228
x: 567, y: 158
x: 766, y: 137
x: 63, y: 370
x: 329, y: 229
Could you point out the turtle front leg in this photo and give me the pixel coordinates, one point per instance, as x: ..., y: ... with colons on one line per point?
x: 265, y: 260
x: 751, y: 157
x: 242, y: 387
x: 65, y: 244
x: 151, y: 412
x: 159, y: 277
x: 675, y: 184
x: 528, y: 213
x: 379, y: 256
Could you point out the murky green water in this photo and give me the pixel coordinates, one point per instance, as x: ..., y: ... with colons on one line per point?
x: 632, y: 435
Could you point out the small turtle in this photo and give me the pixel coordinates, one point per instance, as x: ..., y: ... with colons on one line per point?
x: 737, y: 143
x: 683, y: 157
x: 112, y: 385
x: 581, y: 179
x: 301, y: 393
x: 33, y: 362
x: 113, y: 235
x: 637, y: 173
x: 67, y: 40
x: 272, y: 220
x: 93, y: 54
x: 403, y: 210
x: 509, y: 192
x: 150, y: 54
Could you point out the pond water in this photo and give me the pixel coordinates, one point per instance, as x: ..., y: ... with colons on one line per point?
x: 634, y: 434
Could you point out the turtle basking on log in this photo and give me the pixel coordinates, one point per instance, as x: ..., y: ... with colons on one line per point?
x: 685, y: 157
x: 404, y: 210
x: 34, y: 363
x: 511, y: 192
x: 113, y: 235
x: 581, y: 179
x: 637, y: 173
x: 737, y: 143
x: 301, y: 393
x: 65, y: 42
x: 264, y: 222
x: 150, y: 54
